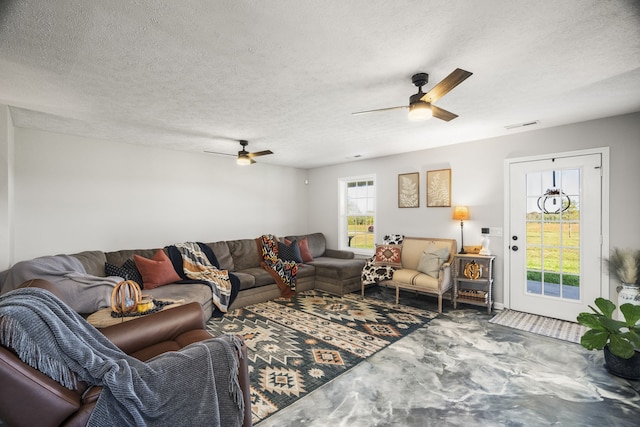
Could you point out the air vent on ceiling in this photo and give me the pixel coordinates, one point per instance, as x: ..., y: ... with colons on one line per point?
x: 522, y: 125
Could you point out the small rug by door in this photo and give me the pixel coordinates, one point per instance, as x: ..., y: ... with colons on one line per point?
x: 554, y: 328
x: 296, y: 345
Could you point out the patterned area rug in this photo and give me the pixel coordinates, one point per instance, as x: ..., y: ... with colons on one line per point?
x: 554, y: 328
x: 296, y: 345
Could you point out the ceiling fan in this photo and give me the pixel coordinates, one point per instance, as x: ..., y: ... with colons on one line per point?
x: 244, y: 157
x: 421, y: 104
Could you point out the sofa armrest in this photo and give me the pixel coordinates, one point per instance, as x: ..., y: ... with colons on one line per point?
x: 445, y: 277
x: 336, y: 253
x: 28, y: 397
x: 166, y: 325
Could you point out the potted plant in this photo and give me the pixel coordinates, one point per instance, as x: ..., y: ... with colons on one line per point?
x: 619, y: 339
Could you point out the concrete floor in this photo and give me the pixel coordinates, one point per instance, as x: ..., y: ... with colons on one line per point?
x: 460, y: 370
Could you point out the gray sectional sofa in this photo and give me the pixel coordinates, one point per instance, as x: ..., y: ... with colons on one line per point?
x: 331, y: 270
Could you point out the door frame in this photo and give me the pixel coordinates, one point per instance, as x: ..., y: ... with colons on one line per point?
x: 605, y: 288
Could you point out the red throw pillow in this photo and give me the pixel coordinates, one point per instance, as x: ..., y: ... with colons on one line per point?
x: 388, y: 255
x: 157, y: 271
x: 303, y: 245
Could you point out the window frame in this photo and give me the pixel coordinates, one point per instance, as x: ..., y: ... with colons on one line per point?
x: 343, y: 214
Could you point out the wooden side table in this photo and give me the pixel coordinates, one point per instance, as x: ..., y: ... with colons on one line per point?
x: 473, y: 280
x: 102, y: 318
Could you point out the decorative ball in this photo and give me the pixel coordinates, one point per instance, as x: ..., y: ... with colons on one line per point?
x: 125, y: 297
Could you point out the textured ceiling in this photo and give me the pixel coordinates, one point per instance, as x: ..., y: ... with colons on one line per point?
x: 286, y: 75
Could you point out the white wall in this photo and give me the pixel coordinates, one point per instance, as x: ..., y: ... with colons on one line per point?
x: 75, y: 193
x: 477, y: 181
x: 6, y: 187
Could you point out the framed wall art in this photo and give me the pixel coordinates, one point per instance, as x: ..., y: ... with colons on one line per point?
x: 439, y: 188
x: 409, y: 190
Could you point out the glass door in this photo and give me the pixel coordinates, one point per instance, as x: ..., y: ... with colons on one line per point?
x: 555, y: 241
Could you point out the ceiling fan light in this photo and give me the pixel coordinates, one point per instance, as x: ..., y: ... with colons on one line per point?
x: 420, y: 111
x: 243, y: 160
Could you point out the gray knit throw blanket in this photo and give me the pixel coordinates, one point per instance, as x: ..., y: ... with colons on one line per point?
x: 196, y: 386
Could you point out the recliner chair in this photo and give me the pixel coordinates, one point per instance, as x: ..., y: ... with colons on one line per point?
x: 30, y: 398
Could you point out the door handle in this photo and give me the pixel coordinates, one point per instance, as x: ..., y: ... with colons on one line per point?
x: 514, y: 248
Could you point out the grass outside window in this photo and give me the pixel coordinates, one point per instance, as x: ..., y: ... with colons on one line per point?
x: 555, y: 248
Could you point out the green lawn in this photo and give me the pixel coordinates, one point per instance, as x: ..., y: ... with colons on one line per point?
x: 556, y: 234
x: 557, y: 252
x: 362, y: 238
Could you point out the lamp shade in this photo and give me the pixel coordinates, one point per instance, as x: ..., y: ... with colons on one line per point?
x: 243, y: 160
x: 460, y: 213
x: 420, y: 111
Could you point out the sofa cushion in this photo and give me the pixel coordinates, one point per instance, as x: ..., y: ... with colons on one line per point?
x: 388, y: 255
x: 338, y: 268
x: 247, y: 281
x: 261, y: 276
x: 415, y: 278
x: 412, y: 248
x: 120, y: 257
x: 157, y: 271
x: 92, y: 261
x: 245, y: 254
x: 128, y: 271
x: 135, y: 273
x: 315, y: 241
x: 221, y: 250
x: 305, y: 270
x: 303, y: 245
x: 305, y: 252
x: 317, y: 244
x: 432, y: 259
x: 289, y: 251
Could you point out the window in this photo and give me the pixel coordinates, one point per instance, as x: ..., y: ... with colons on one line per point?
x: 357, y: 214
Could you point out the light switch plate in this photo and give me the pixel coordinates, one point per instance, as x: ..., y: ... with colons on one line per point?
x: 495, y: 231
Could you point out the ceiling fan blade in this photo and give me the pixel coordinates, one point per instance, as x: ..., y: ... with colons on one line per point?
x: 442, y: 114
x: 446, y: 85
x: 259, y: 153
x: 380, y: 109
x: 219, y: 154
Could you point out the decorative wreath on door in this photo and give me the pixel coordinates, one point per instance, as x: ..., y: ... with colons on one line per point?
x: 472, y: 270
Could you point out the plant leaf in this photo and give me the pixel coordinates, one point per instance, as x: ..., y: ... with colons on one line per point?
x: 594, y: 340
x: 590, y: 320
x: 612, y: 325
x: 606, y: 306
x: 634, y: 337
x: 631, y: 313
x: 620, y: 347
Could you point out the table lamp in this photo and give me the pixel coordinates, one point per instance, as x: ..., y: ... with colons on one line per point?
x: 461, y: 213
